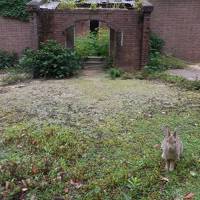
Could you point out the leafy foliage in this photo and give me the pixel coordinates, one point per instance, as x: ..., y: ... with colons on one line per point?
x: 159, y: 62
x: 14, y: 8
x: 93, y: 44
x: 115, y: 73
x: 50, y: 61
x: 7, y: 59
x: 156, y: 44
x: 67, y: 4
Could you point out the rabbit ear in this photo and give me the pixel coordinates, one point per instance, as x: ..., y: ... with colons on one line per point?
x: 166, y: 131
x: 174, y: 134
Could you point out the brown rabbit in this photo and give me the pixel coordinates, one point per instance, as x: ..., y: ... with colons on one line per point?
x: 172, y: 148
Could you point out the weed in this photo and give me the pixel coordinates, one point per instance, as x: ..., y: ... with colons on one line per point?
x: 115, y: 73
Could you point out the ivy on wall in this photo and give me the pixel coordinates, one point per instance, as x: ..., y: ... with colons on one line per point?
x: 14, y: 9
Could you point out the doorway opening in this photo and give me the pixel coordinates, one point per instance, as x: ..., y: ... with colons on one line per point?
x: 94, y: 26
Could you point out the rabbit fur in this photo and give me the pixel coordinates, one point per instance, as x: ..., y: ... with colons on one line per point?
x: 172, y: 149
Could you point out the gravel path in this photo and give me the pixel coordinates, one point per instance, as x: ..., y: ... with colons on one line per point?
x: 191, y: 73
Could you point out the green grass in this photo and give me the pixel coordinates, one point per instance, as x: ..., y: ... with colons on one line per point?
x: 117, y: 160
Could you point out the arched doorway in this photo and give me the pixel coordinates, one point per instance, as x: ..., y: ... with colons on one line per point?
x: 95, y: 27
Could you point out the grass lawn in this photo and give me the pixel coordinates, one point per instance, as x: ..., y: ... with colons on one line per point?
x: 95, y: 138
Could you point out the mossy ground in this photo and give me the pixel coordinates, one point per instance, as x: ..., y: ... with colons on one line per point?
x: 96, y: 139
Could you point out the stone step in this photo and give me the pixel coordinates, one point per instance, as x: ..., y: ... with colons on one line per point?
x: 95, y: 58
x: 94, y: 66
x: 94, y: 62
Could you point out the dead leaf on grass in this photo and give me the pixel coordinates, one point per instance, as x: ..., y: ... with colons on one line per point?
x: 7, y: 185
x: 34, y: 169
x: 66, y: 190
x: 76, y: 184
x: 189, y: 196
x: 164, y: 179
x: 193, y: 173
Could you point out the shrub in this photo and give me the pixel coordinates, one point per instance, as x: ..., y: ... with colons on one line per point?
x: 7, y: 59
x: 50, y: 61
x: 159, y: 62
x: 67, y: 4
x: 156, y: 43
x: 15, y: 9
x: 93, y: 44
x: 115, y: 73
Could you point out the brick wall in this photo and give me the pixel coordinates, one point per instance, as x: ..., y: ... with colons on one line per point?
x: 15, y: 35
x: 127, y: 25
x: 82, y: 27
x: 178, y: 23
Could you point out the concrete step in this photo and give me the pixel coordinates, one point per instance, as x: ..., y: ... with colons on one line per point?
x: 93, y: 66
x: 95, y: 58
x: 94, y: 62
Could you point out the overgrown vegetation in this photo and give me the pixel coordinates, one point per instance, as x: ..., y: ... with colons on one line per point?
x: 51, y: 60
x: 67, y: 4
x: 176, y: 80
x: 15, y: 75
x: 115, y: 73
x: 14, y: 9
x: 159, y: 62
x: 93, y: 43
x: 7, y: 59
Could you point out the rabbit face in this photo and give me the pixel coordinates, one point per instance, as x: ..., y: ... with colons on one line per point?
x: 171, y: 142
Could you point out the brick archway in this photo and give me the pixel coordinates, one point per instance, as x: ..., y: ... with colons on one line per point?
x: 129, y: 30
x: 115, y: 37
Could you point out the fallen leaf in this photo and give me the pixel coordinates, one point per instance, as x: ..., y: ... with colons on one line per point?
x: 24, y: 183
x: 34, y: 169
x: 164, y: 179
x: 193, y: 173
x: 24, y: 189
x: 66, y: 190
x: 7, y: 185
x: 189, y: 196
x: 76, y: 184
x: 34, y: 142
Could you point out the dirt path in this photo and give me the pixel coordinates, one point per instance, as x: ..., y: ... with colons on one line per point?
x: 191, y: 73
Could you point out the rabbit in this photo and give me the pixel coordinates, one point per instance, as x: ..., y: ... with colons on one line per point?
x: 172, y: 148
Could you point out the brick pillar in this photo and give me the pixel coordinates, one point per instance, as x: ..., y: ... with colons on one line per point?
x: 147, y: 9
x: 35, y: 38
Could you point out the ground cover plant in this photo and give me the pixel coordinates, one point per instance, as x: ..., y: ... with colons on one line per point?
x: 93, y: 43
x: 7, y: 60
x: 96, y: 139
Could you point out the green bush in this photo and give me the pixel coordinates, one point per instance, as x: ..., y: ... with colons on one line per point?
x: 14, y: 8
x: 159, y: 62
x: 50, y: 61
x: 93, y: 44
x: 115, y: 73
x: 7, y: 59
x: 156, y: 43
